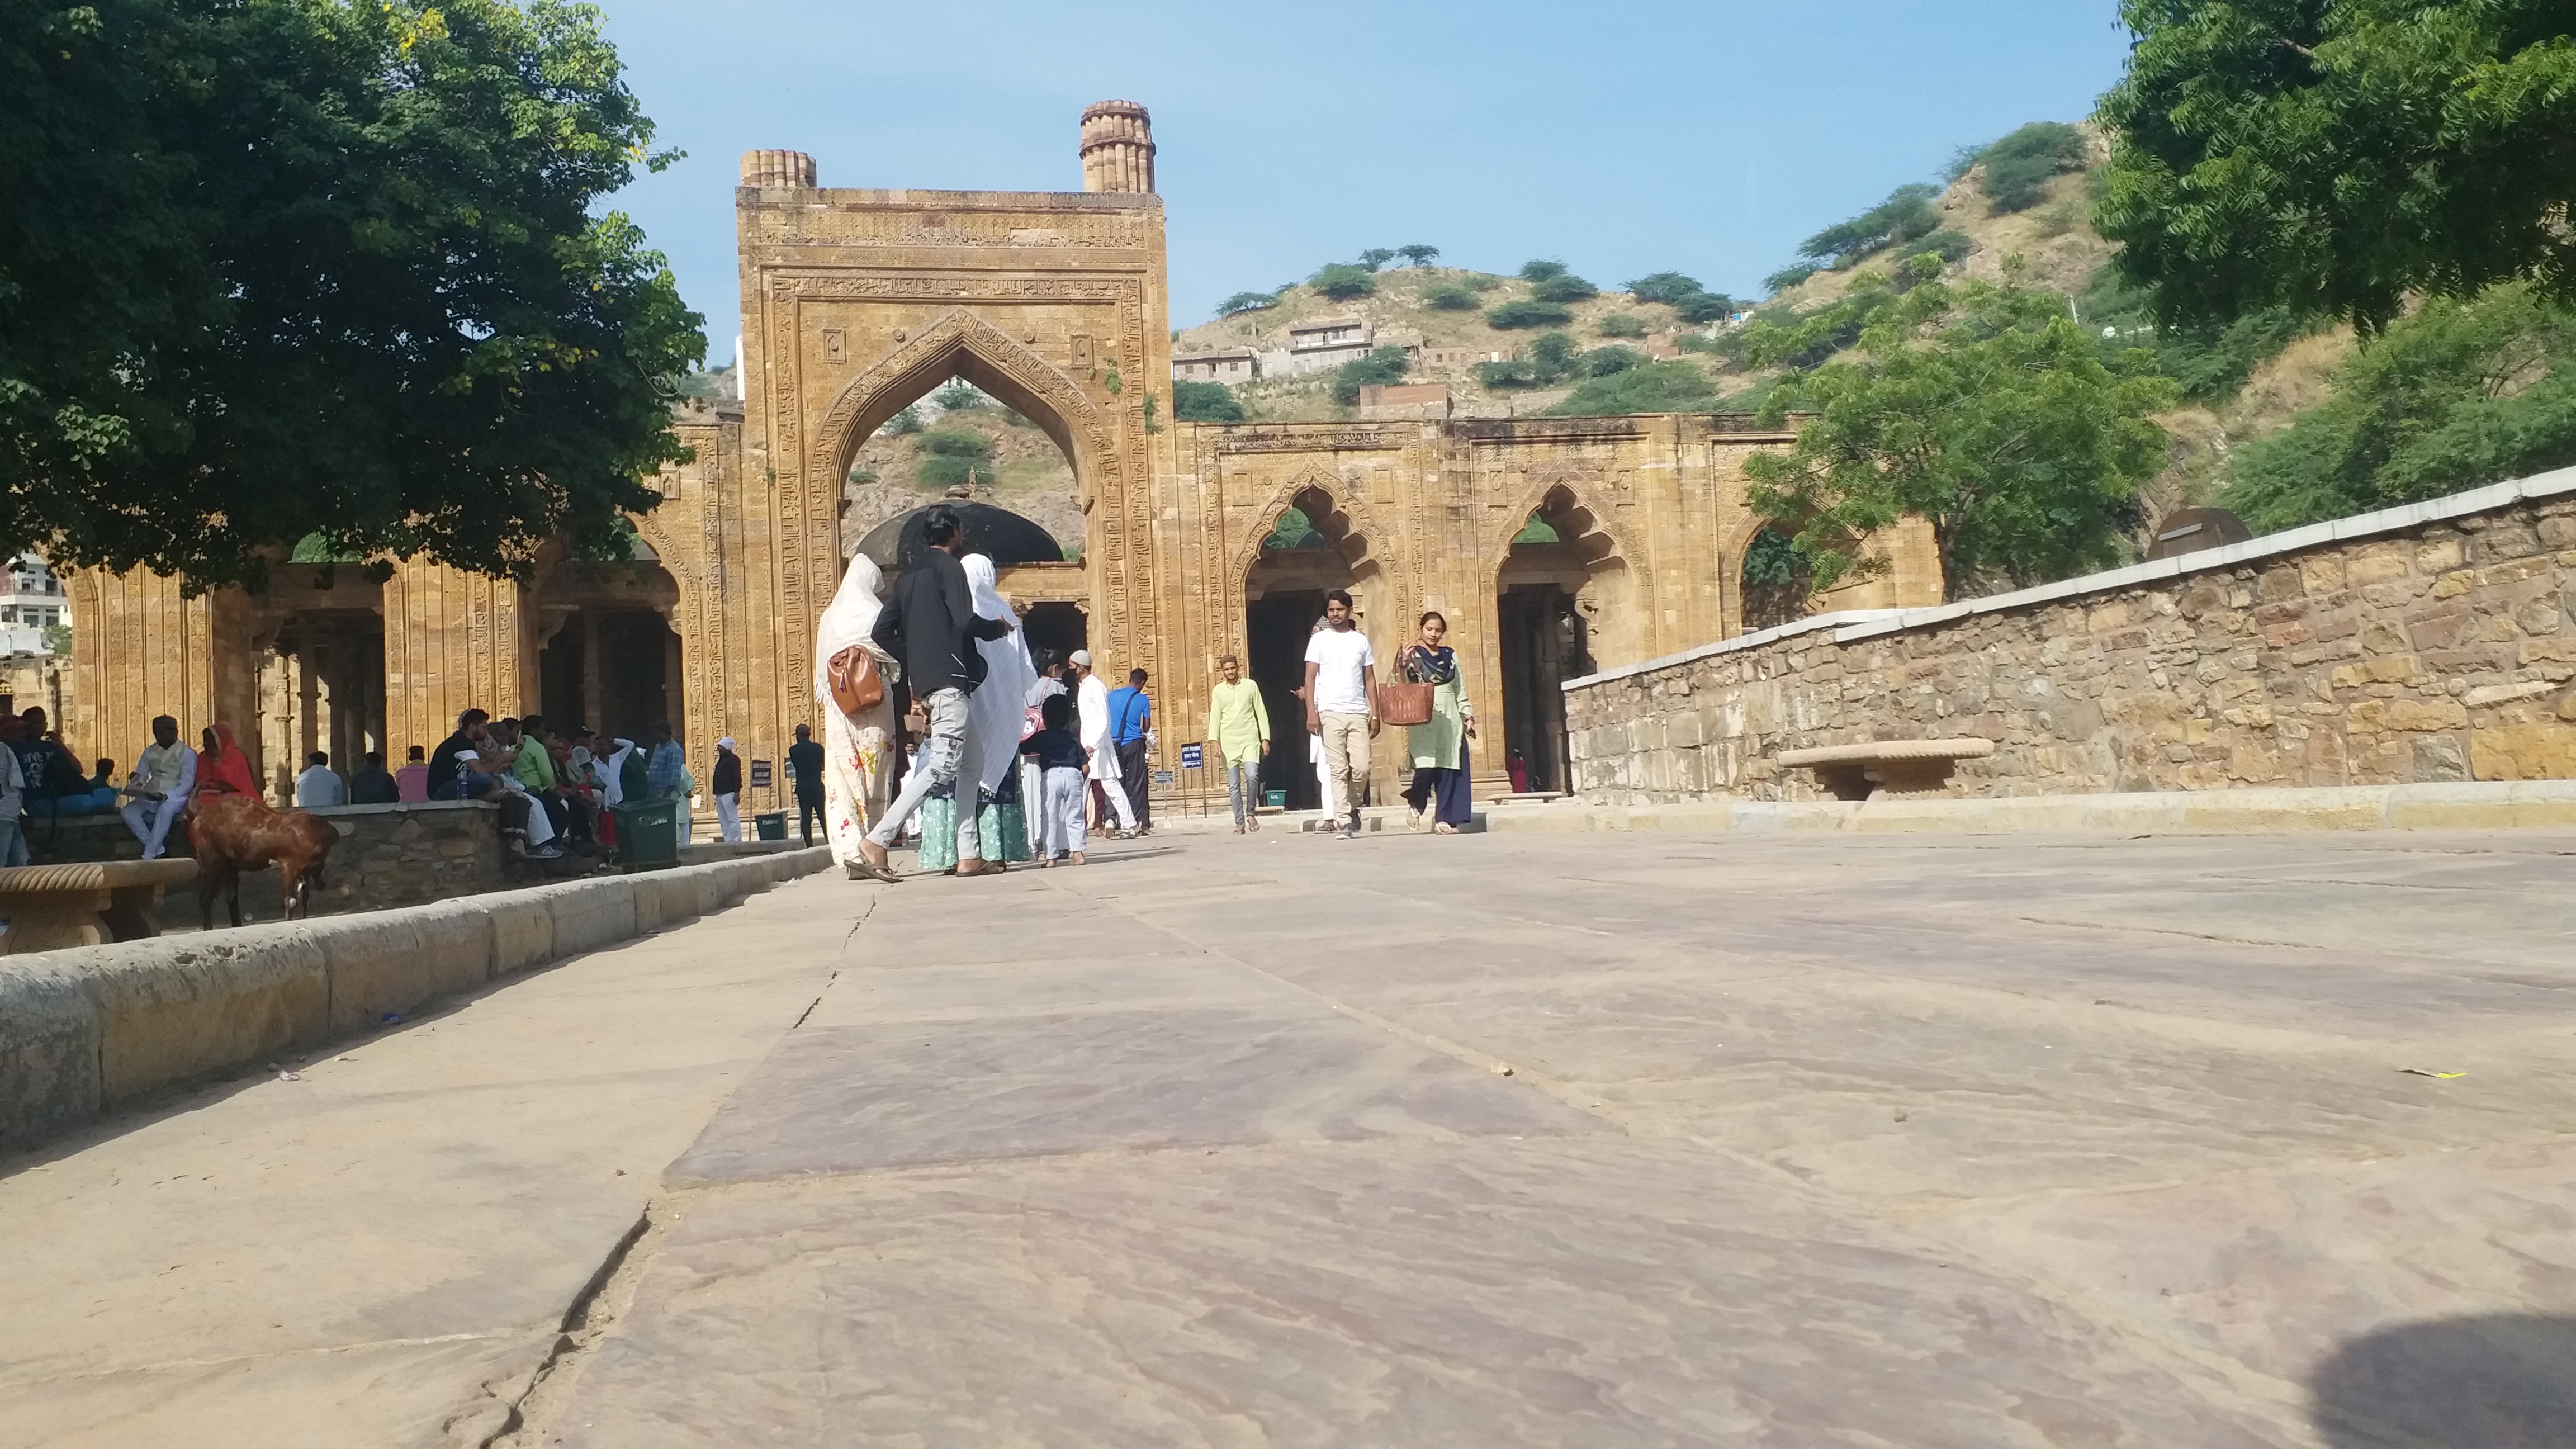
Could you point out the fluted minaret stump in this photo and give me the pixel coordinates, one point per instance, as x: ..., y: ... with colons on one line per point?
x: 1117, y: 147
x: 777, y: 170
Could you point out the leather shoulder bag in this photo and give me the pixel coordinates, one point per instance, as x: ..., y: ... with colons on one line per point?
x: 857, y: 685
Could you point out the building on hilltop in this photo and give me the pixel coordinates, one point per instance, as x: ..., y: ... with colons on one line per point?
x: 1229, y: 365
x: 32, y: 603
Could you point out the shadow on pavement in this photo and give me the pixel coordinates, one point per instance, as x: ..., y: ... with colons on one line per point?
x: 2501, y: 1381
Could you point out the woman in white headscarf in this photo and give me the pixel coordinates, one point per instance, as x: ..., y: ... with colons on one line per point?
x: 998, y: 711
x: 855, y: 746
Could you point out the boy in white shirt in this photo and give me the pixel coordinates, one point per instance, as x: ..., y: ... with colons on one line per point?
x: 1341, y: 704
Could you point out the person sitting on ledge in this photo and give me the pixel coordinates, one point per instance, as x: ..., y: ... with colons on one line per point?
x: 374, y: 784
x: 162, y: 784
x: 319, y: 785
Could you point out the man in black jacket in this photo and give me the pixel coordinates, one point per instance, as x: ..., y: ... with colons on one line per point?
x: 930, y: 628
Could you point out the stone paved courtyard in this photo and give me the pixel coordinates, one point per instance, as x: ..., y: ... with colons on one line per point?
x: 1597, y: 1140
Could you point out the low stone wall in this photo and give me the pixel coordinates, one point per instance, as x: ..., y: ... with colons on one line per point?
x: 2423, y: 644
x: 90, y: 1030
x: 388, y: 855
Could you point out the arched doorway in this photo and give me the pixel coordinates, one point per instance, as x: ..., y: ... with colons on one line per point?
x: 1778, y: 583
x: 1563, y: 609
x: 1312, y: 548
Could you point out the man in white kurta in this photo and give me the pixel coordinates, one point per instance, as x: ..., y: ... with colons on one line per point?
x: 1091, y: 703
x: 161, y: 786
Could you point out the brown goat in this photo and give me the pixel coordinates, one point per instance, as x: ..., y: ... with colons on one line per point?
x: 234, y: 833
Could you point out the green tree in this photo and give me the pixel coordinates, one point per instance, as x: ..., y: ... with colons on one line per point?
x: 1779, y: 584
x: 1566, y: 288
x: 2457, y: 395
x: 1385, y: 365
x: 1343, y: 282
x: 1982, y: 409
x: 904, y: 423
x: 1669, y: 288
x: 950, y: 456
x: 1647, y: 387
x: 1705, y: 307
x: 275, y: 269
x: 1787, y: 277
x: 1525, y: 313
x: 2020, y: 166
x: 1376, y: 257
x: 1420, y: 256
x: 1622, y: 324
x: 1291, y: 529
x: 1451, y: 299
x: 1246, y: 302
x: 958, y: 395
x: 1542, y: 270
x: 1205, y: 402
x: 2332, y: 158
x: 1604, y: 361
x: 1907, y: 213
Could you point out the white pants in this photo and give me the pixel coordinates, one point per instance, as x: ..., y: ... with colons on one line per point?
x: 729, y: 816
x: 150, y: 821
x: 1104, y: 768
x: 1323, y: 776
x: 541, y: 826
x: 1060, y: 812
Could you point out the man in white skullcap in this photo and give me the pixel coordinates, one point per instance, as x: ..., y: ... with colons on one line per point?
x: 727, y: 788
x: 1091, y: 704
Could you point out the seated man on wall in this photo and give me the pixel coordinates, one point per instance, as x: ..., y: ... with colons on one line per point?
x: 319, y: 785
x: 161, y: 785
x: 374, y: 784
x: 54, y: 782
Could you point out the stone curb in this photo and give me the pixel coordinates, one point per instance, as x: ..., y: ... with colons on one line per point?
x: 89, y: 1030
x: 2476, y: 805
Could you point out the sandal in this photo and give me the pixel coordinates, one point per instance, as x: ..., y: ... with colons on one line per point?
x: 1444, y: 828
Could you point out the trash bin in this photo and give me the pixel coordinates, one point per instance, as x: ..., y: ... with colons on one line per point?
x: 648, y: 832
x: 1275, y: 799
x: 771, y: 826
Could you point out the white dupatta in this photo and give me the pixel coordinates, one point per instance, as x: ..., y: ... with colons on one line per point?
x: 996, y: 709
x: 852, y: 614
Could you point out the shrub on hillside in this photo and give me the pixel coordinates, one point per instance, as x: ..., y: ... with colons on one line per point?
x: 941, y: 470
x: 958, y: 396
x: 2020, y: 166
x: 1605, y: 361
x: 955, y: 443
x: 1205, y: 402
x: 2209, y: 363
x: 1343, y: 282
x: 1787, y: 277
x: 1948, y: 245
x: 1542, y: 269
x: 1451, y: 299
x: 1246, y: 302
x: 1669, y: 288
x: 1510, y: 373
x: 1649, y: 387
x: 1420, y: 256
x: 1527, y: 313
x: 1706, y: 307
x: 1376, y: 257
x: 1563, y: 289
x: 1551, y: 356
x: 1907, y: 213
x: 1385, y: 365
x: 904, y: 424
x: 1621, y: 324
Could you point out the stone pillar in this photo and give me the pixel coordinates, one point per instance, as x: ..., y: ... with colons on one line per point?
x: 144, y: 649
x: 1117, y: 147
x: 594, y: 701
x: 454, y: 641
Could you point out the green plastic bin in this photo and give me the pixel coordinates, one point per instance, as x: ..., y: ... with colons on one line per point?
x: 1275, y: 799
x: 770, y: 825
x: 648, y: 832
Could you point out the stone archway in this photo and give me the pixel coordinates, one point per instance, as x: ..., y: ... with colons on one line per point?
x: 1565, y: 605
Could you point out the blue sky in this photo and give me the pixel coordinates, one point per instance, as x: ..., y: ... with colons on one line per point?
x: 1705, y: 138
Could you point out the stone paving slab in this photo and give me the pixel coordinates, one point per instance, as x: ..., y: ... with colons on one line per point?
x: 1486, y: 1292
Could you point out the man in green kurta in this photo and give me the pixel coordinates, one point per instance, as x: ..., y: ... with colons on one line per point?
x: 1241, y: 724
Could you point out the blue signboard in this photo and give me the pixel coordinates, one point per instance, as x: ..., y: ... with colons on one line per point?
x: 1193, y: 757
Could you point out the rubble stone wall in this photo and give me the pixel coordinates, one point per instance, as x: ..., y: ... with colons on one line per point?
x: 2430, y: 643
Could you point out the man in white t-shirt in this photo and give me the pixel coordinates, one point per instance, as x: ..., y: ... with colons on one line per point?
x: 1341, y: 704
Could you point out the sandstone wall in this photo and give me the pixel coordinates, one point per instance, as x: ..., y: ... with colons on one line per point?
x: 2430, y: 643
x: 388, y: 855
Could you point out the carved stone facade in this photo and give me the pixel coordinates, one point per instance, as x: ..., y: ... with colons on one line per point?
x: 855, y: 303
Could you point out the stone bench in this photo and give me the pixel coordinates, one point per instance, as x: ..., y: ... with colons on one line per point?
x: 53, y: 906
x: 1895, y: 767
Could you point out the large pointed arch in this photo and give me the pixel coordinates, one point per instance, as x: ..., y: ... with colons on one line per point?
x: 959, y: 343
x: 1584, y: 488
x: 1347, y: 501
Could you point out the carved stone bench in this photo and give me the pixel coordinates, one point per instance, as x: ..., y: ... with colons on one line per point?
x: 50, y: 907
x: 1898, y: 767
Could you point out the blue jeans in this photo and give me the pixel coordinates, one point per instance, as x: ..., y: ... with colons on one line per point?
x: 13, y: 843
x: 1243, y: 788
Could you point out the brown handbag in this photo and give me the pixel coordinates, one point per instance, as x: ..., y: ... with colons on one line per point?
x: 857, y: 686
x: 1399, y: 703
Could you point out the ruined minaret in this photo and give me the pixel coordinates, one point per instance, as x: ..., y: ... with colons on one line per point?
x: 777, y: 170
x: 1117, y: 147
